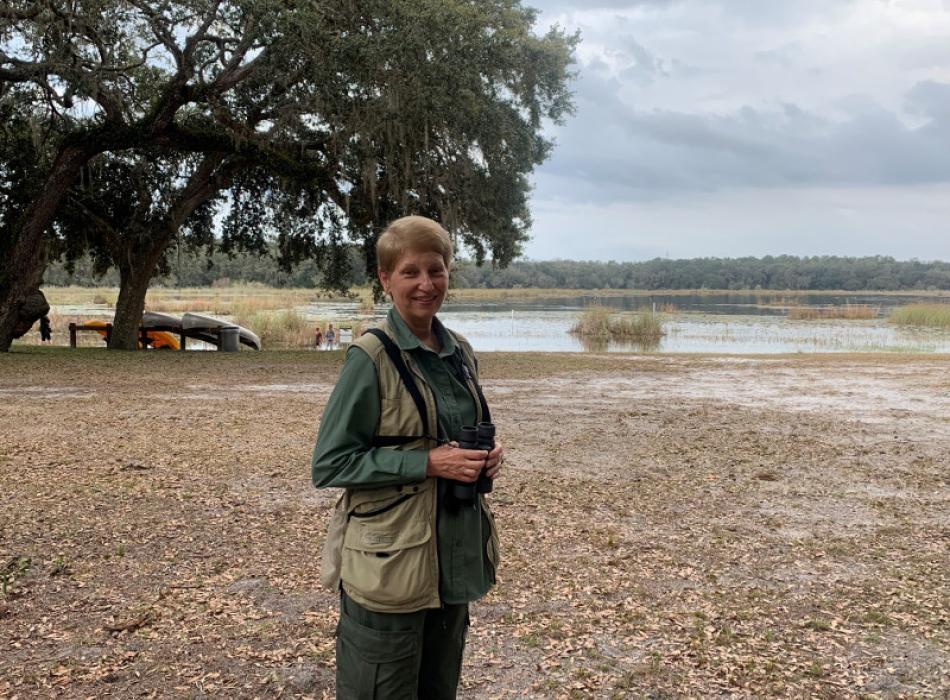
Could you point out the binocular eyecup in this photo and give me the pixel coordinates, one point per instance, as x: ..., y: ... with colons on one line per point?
x: 480, y: 437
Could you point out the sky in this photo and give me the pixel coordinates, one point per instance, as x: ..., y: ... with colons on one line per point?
x: 726, y: 128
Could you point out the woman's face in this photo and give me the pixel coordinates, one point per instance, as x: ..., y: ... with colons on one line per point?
x: 418, y: 284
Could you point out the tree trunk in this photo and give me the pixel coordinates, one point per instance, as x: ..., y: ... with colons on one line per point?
x: 22, y: 272
x: 134, y: 277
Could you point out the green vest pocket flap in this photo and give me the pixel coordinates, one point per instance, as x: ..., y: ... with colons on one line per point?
x: 371, y: 537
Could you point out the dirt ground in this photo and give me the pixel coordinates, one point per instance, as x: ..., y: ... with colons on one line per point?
x: 672, y: 526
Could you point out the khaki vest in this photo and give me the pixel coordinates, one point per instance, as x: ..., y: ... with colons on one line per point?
x: 382, y: 541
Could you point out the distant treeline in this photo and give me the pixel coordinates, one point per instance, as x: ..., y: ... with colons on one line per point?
x: 779, y: 272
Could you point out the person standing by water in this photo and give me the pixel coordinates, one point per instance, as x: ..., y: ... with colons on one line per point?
x: 318, y: 338
x: 406, y: 552
x: 330, y: 337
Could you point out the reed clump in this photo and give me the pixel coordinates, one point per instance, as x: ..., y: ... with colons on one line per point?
x: 599, y: 321
x: 289, y: 328
x: 847, y: 311
x: 933, y: 315
x: 286, y: 328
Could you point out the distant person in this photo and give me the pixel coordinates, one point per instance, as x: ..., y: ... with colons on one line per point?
x: 46, y: 330
x: 318, y: 338
x: 330, y: 336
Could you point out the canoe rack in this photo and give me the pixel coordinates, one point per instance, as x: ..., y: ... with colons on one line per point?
x: 207, y: 335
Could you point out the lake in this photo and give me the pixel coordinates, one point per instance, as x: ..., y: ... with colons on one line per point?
x: 743, y: 323
x: 727, y: 323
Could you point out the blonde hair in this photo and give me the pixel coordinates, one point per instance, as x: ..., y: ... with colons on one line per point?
x: 412, y: 233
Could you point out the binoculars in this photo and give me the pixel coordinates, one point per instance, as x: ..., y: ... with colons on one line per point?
x: 480, y: 437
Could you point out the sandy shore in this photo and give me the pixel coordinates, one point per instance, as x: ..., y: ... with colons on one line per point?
x: 672, y: 525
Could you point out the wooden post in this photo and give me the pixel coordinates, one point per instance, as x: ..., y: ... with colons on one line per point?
x: 72, y: 335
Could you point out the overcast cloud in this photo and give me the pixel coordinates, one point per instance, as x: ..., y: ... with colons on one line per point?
x: 718, y: 128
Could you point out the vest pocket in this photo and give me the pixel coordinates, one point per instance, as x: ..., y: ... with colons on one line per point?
x: 386, y: 552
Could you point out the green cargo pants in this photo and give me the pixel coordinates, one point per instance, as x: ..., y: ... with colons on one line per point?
x: 396, y: 656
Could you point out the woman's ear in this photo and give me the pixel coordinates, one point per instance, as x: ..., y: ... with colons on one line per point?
x: 383, y: 280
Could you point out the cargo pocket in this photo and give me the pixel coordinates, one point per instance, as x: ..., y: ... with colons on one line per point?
x: 333, y: 546
x: 375, y: 664
x: 386, y: 557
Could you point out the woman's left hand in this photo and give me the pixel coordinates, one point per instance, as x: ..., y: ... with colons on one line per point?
x: 495, y: 459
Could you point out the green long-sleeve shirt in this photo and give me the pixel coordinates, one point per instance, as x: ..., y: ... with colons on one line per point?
x: 344, y: 457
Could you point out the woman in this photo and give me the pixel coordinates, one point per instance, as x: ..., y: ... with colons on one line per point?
x: 406, y: 550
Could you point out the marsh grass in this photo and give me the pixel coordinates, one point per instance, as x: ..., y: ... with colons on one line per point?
x: 846, y: 311
x: 226, y: 300
x: 601, y: 322
x: 934, y: 315
x: 285, y: 328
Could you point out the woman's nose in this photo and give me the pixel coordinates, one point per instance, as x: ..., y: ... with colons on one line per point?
x: 425, y: 281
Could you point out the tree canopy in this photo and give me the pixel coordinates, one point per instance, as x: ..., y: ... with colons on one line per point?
x: 783, y: 272
x: 335, y: 116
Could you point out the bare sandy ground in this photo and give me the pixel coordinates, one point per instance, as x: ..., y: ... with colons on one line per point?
x: 672, y: 526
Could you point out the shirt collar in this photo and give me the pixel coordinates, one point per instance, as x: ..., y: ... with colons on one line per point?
x: 407, y: 340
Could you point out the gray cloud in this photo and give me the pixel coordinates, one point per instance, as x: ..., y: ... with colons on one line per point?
x: 681, y: 101
x: 622, y: 152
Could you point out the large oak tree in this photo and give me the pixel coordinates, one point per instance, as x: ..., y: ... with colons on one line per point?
x: 343, y: 115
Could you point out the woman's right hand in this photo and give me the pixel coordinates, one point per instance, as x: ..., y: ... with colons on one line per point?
x: 450, y: 461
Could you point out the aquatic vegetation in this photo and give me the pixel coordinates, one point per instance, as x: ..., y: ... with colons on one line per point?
x: 846, y: 311
x: 935, y: 315
x: 599, y: 321
x: 285, y: 328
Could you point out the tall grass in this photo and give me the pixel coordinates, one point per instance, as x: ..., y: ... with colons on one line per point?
x: 290, y: 329
x: 601, y: 322
x: 847, y: 311
x: 228, y: 301
x: 935, y: 315
x: 286, y: 328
